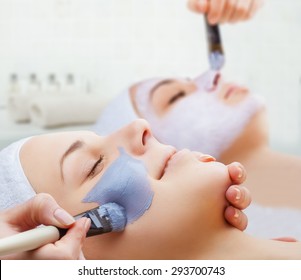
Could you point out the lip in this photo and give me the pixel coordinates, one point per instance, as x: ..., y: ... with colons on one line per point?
x: 231, y: 90
x: 234, y: 89
x: 173, y: 157
x: 165, y: 161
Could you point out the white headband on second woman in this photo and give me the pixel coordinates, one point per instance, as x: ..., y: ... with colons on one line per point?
x: 118, y: 113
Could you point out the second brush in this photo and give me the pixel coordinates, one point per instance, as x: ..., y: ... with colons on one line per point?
x: 215, y: 48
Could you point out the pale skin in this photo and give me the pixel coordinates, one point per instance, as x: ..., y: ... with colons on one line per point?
x: 268, y: 170
x: 226, y: 11
x: 192, y: 184
x: 77, y: 164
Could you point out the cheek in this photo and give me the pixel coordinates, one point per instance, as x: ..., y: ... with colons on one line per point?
x: 74, y: 206
x: 168, y: 214
x: 70, y: 198
x: 126, y: 183
x: 173, y: 218
x: 201, y: 182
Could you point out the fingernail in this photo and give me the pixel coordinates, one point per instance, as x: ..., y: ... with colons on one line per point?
x: 238, y: 194
x: 240, y: 172
x: 63, y: 217
x: 236, y: 215
x: 207, y: 158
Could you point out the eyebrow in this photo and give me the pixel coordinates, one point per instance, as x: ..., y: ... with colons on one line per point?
x: 162, y: 83
x: 73, y: 147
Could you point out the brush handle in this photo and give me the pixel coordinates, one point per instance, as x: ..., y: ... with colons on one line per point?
x: 213, y: 37
x: 215, y: 48
x: 29, y: 240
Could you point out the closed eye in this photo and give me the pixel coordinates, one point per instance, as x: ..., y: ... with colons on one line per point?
x: 93, y: 169
x: 176, y: 97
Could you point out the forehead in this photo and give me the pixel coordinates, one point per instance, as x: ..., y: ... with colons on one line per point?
x: 54, y: 142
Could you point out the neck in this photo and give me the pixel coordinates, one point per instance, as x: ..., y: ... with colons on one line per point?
x: 272, y: 177
x: 234, y: 244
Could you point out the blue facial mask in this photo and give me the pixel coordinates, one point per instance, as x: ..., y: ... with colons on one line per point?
x: 125, y: 182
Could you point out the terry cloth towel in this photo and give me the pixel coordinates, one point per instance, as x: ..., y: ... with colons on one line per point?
x: 18, y: 107
x: 51, y: 111
x: 14, y: 186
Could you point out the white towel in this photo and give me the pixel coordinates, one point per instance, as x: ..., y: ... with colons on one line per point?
x: 18, y: 107
x: 14, y: 185
x: 272, y: 222
x: 59, y: 110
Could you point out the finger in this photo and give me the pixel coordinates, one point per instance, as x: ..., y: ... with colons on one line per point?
x: 256, y: 5
x: 237, y: 172
x: 69, y: 247
x: 228, y: 11
x: 241, y: 11
x: 75, y: 237
x: 41, y: 209
x: 236, y: 218
x: 286, y: 239
x: 238, y: 196
x: 198, y: 6
x: 204, y: 157
x: 215, y: 10
x: 81, y: 256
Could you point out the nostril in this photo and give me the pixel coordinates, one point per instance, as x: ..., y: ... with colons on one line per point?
x: 213, y: 79
x: 215, y: 82
x: 216, y: 79
x: 145, y: 136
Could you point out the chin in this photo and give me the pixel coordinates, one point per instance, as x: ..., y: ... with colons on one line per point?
x: 255, y: 134
x: 258, y: 125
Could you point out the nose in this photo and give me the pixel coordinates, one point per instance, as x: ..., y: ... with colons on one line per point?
x: 208, y: 81
x: 134, y: 137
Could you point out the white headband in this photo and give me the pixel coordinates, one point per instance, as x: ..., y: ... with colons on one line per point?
x: 14, y: 185
x: 118, y: 113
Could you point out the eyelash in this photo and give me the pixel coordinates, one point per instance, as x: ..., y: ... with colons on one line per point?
x: 176, y: 97
x: 92, y: 171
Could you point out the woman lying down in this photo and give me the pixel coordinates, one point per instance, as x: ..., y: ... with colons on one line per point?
x: 175, y: 201
x: 220, y: 117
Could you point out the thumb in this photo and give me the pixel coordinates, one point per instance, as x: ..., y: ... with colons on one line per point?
x: 41, y: 209
x: 198, y: 6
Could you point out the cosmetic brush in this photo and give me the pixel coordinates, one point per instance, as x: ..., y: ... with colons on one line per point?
x: 106, y: 218
x: 215, y: 48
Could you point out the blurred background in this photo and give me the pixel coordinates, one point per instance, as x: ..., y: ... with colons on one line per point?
x: 94, y: 48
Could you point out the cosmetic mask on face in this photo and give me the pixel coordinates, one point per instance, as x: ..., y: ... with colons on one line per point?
x: 125, y: 182
x: 200, y: 121
x: 143, y: 101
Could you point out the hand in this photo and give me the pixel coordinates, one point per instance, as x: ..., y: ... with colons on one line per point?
x: 42, y: 209
x: 238, y: 196
x: 222, y: 11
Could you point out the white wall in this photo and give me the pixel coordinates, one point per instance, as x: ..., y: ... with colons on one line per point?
x: 115, y: 42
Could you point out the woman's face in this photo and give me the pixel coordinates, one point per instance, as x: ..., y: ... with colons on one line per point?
x: 166, y: 93
x: 188, y: 199
x: 209, y: 113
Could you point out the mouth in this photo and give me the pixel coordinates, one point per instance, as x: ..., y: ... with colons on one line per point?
x: 230, y: 91
x: 233, y: 90
x: 165, y: 161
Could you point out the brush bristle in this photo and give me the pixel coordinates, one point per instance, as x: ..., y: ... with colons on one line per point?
x: 116, y: 214
x: 217, y: 60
